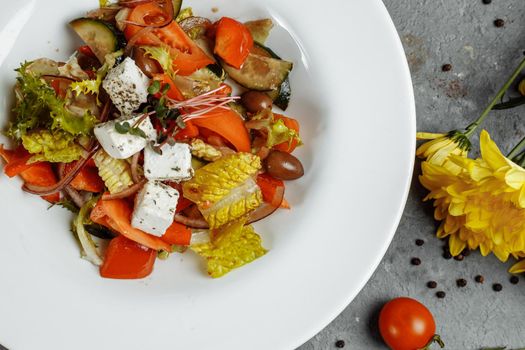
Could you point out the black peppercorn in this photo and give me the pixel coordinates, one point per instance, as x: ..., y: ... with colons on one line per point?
x: 440, y: 294
x: 340, y: 344
x: 415, y: 261
x: 446, y: 67
x: 461, y: 282
x: 497, y: 287
x: 459, y: 257
x: 419, y: 242
x: 432, y: 284
x: 479, y: 279
x: 499, y: 23
x: 487, y: 2
x: 514, y: 280
x: 447, y: 255
x: 465, y: 253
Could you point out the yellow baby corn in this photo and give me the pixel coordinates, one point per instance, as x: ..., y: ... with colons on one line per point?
x: 116, y: 173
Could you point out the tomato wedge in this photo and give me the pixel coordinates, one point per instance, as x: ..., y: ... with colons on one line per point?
x: 233, y: 41
x: 227, y: 124
x: 126, y: 259
x: 187, y: 56
x: 292, y: 124
x: 16, y: 160
x: 118, y: 217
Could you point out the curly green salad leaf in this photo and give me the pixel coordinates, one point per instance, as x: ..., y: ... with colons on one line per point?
x: 56, y: 146
x: 278, y: 132
x: 225, y: 190
x: 230, y: 247
x: 161, y: 55
x: 37, y: 105
x: 92, y: 86
x: 184, y: 13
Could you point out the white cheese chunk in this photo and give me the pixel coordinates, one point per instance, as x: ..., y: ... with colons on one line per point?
x: 125, y: 145
x: 155, y: 207
x: 173, y: 164
x: 127, y: 86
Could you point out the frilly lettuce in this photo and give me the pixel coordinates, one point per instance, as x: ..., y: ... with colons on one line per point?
x: 37, y: 105
x: 224, y: 190
x: 230, y: 247
x: 161, y: 55
x: 277, y: 130
x: 92, y: 86
x: 52, y: 147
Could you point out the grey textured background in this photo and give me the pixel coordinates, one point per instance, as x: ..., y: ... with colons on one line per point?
x: 462, y: 33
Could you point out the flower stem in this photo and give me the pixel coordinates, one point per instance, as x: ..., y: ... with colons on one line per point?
x: 472, y: 127
x: 517, y: 149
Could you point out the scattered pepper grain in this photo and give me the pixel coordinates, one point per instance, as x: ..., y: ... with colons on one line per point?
x: 432, y: 284
x: 419, y: 242
x: 441, y: 294
x: 415, y: 261
x: 499, y: 23
x: 514, y: 280
x: 497, y: 287
x: 461, y: 282
x: 487, y: 2
x: 446, y: 67
x: 459, y: 257
x: 340, y: 344
x: 479, y: 279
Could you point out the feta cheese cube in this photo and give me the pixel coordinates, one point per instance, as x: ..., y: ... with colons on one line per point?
x: 173, y: 164
x: 122, y: 146
x: 155, y: 208
x: 127, y: 86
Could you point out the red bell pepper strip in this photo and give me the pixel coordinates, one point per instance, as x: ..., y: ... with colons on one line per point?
x: 187, y: 56
x: 38, y: 174
x: 126, y: 259
x: 118, y: 217
x: 292, y: 124
x: 87, y: 179
x: 228, y: 124
x: 268, y: 186
x: 189, y: 132
x: 86, y: 50
x: 173, y: 91
x: 233, y: 41
x: 178, y: 234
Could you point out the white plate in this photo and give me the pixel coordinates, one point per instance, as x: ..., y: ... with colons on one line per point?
x: 352, y: 94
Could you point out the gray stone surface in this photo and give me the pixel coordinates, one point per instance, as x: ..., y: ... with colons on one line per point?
x: 459, y: 32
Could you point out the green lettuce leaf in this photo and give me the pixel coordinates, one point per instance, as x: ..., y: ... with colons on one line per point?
x: 276, y: 130
x: 38, y: 106
x: 184, y: 13
x: 230, y: 247
x: 57, y: 147
x: 161, y: 55
x: 225, y: 190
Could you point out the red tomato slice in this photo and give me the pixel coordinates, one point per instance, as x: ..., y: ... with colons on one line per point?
x: 233, y: 41
x: 187, y: 56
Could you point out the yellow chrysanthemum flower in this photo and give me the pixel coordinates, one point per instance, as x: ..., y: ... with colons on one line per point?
x: 481, y: 202
x: 441, y: 146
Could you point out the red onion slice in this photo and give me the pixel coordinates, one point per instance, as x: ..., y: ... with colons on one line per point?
x: 66, y: 180
x: 125, y: 193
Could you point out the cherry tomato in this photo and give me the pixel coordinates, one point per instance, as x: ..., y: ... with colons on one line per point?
x: 406, y: 324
